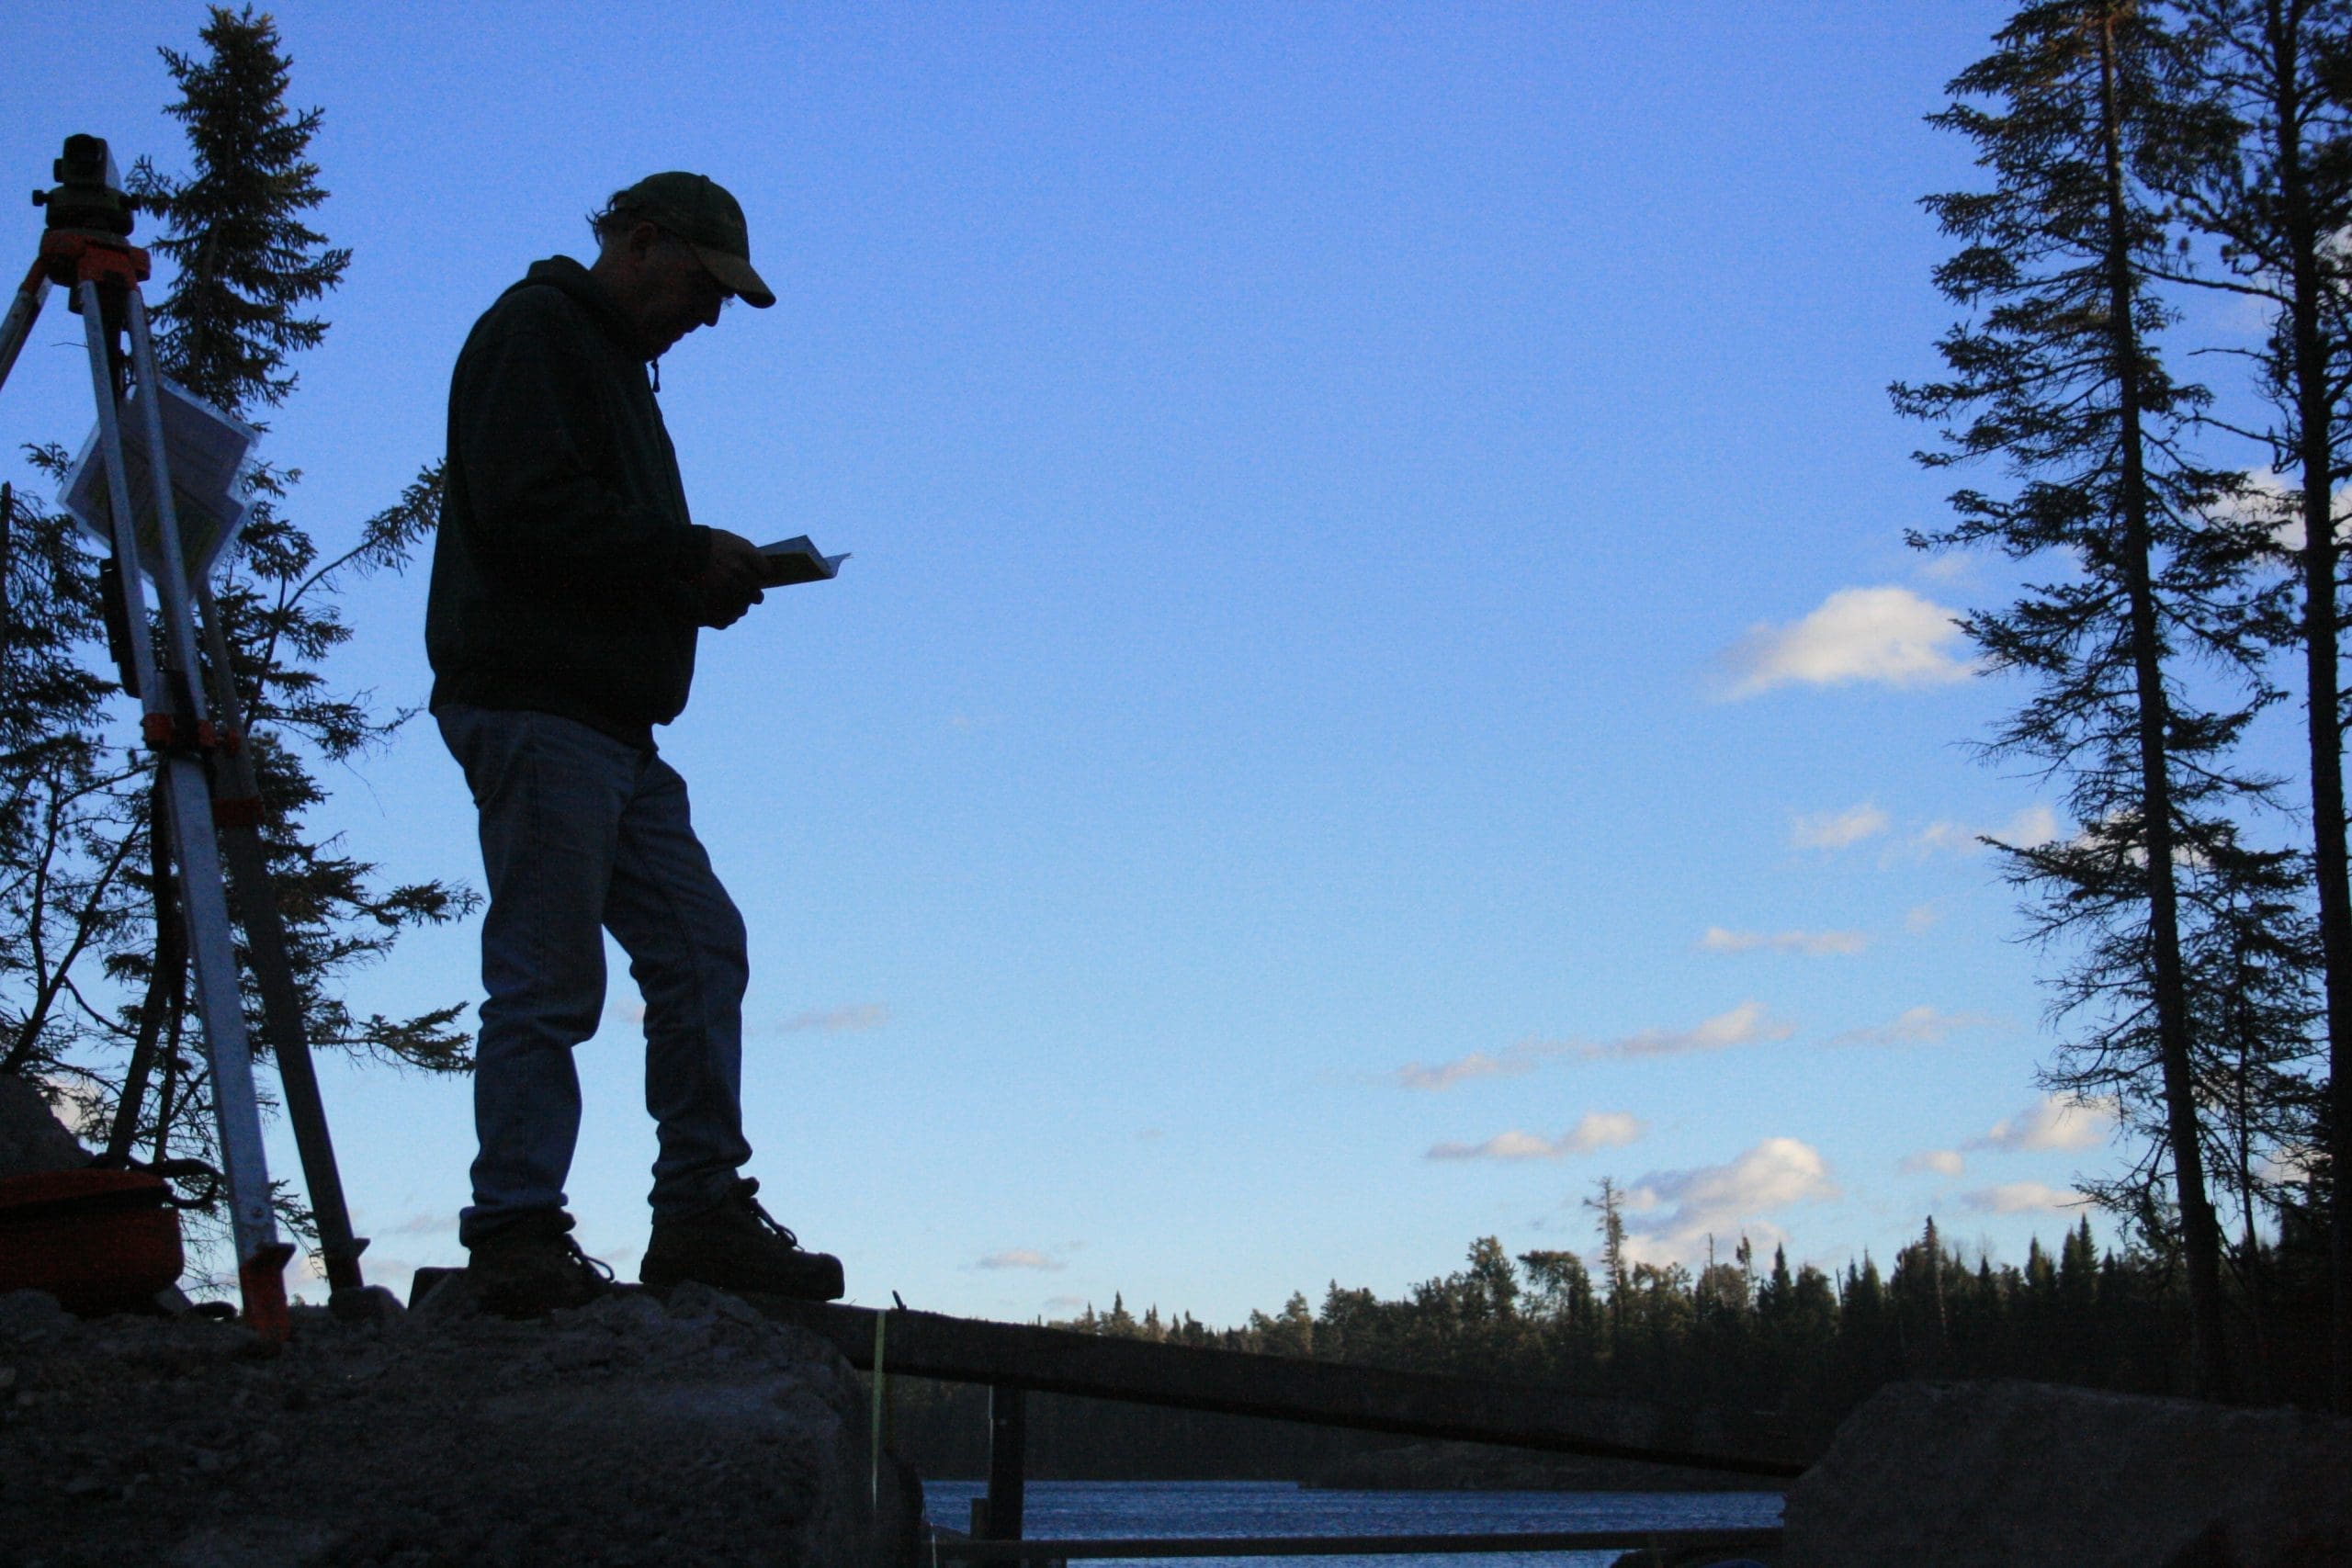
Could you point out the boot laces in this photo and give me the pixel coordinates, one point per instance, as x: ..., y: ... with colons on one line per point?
x: 746, y: 1194
x: 596, y: 1267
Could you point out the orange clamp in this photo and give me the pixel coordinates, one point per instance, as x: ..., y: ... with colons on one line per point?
x: 165, y: 732
x: 71, y: 258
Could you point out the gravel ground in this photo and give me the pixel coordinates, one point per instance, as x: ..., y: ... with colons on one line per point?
x: 635, y: 1431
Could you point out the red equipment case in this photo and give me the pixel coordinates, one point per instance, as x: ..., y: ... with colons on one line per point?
x: 97, y: 1240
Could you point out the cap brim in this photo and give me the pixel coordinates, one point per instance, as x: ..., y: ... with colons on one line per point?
x: 736, y: 274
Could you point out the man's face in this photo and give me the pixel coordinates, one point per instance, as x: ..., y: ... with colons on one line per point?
x: 679, y: 295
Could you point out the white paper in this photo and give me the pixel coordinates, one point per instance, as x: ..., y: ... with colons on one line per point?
x: 206, y: 450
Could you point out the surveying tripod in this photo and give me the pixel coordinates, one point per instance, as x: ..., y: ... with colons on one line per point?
x: 207, y: 796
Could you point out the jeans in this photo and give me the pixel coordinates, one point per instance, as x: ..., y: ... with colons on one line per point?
x: 582, y: 834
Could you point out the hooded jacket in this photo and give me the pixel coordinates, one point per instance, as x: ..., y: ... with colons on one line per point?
x: 562, y: 564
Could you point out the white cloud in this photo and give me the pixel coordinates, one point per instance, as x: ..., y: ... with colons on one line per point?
x: 2300, y: 1165
x: 1594, y: 1130
x: 1954, y: 838
x: 2294, y: 1164
x: 1812, y: 945
x: 78, y: 1109
x: 1019, y: 1258
x: 1514, y: 1061
x: 2029, y: 829
x: 2019, y: 1197
x: 1746, y: 1024
x: 2051, y: 1123
x: 1943, y: 1162
x: 1919, y: 1025
x: 1835, y: 829
x: 427, y: 1222
x: 1919, y: 918
x: 837, y: 1021
x: 1726, y: 1199
x: 1887, y: 634
x: 2268, y: 500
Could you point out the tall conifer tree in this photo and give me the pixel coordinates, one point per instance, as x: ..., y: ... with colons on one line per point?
x: 232, y: 322
x: 74, y: 905
x: 2059, y: 377
x: 2276, y: 195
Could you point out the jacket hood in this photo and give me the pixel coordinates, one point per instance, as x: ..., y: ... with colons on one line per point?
x: 563, y: 273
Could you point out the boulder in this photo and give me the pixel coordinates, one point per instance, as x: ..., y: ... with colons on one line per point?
x: 633, y: 1431
x: 31, y: 1137
x: 1987, y: 1473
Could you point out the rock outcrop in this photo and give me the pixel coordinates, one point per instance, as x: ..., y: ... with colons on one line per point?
x: 1974, y: 1475
x: 31, y: 1137
x: 635, y: 1431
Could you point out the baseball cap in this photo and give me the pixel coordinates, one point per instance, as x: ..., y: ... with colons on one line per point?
x: 697, y: 209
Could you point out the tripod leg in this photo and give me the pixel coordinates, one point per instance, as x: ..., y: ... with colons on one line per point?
x: 141, y: 663
x: 235, y: 809
x: 168, y: 973
x: 204, y: 904
x: 23, y: 310
x: 204, y: 907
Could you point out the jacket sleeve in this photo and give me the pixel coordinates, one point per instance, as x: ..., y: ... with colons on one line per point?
x: 528, y: 432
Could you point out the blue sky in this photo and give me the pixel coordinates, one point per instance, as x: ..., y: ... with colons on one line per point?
x: 1380, y: 681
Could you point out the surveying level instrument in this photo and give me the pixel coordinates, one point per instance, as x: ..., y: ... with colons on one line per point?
x: 207, y: 801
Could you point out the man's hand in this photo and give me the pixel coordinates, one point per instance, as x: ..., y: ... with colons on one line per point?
x: 730, y: 583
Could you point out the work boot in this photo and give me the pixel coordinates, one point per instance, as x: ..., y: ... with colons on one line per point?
x: 531, y: 1265
x: 737, y: 1246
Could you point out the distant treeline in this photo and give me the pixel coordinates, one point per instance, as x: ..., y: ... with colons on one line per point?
x: 1739, y: 1334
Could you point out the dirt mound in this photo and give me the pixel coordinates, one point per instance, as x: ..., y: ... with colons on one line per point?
x: 635, y: 1431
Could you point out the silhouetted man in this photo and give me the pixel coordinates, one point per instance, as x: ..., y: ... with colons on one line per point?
x: 569, y: 587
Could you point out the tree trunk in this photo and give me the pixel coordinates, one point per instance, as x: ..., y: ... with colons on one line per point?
x: 2200, y: 1232
x: 2315, y: 457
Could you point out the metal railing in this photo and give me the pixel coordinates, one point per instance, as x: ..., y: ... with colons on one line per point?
x: 1013, y: 1358
x: 1658, y: 1542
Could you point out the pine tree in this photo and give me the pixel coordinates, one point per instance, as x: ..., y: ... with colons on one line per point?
x: 68, y: 895
x: 2276, y: 195
x: 2059, y: 377
x: 1493, y: 1283
x: 1609, y: 1203
x: 79, y: 904
x: 2078, y: 1269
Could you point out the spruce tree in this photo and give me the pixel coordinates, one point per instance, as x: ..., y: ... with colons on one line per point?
x: 78, y: 910
x: 1609, y: 1203
x: 68, y: 899
x: 2058, y: 375
x: 2276, y: 195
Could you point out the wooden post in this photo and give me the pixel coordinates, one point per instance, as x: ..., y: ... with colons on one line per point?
x: 1007, y: 1434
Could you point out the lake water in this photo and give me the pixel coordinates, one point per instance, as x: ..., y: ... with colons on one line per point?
x: 1070, y: 1509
